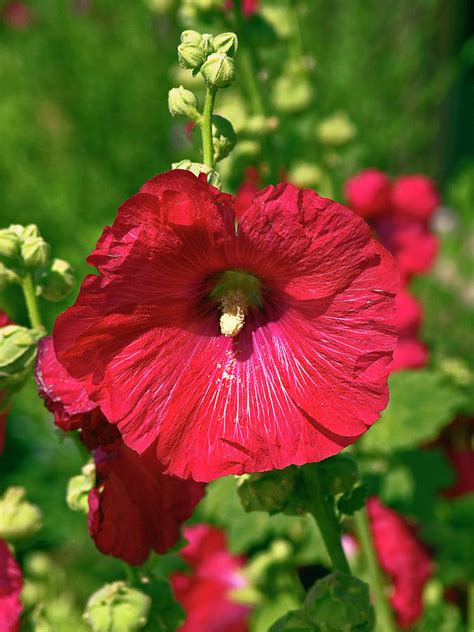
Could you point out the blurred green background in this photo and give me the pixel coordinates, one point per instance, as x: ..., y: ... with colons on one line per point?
x: 84, y: 122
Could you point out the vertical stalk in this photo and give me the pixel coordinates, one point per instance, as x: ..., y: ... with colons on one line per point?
x: 382, y: 608
x: 326, y: 519
x: 206, y: 127
x: 31, y: 301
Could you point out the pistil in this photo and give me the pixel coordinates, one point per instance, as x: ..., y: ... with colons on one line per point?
x: 234, y: 306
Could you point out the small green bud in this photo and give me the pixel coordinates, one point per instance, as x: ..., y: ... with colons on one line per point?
x: 17, y: 354
x: 182, y: 102
x: 305, y: 174
x: 39, y: 565
x: 30, y: 230
x: 10, y: 244
x: 35, y: 252
x: 117, y: 608
x: 207, y: 45
x: 267, y: 491
x: 213, y: 177
x: 224, y: 137
x: 340, y: 603
x: 191, y: 37
x: 338, y: 129
x: 292, y: 93
x: 190, y: 56
x: 7, y: 277
x: 226, y: 43
x: 56, y: 281
x: 18, y: 518
x: 79, y: 487
x: 218, y: 70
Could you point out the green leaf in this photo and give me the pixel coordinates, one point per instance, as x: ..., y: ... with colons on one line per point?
x: 166, y: 614
x: 421, y: 403
x: 349, y: 503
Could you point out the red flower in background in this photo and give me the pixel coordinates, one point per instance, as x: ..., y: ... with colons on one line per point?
x: 17, y: 15
x: 205, y: 592
x: 403, y: 558
x: 247, y: 191
x: 368, y: 192
x: 233, y: 350
x: 249, y: 7
x: 456, y: 441
x: 134, y: 508
x: 415, y: 196
x: 410, y: 353
x: 11, y: 583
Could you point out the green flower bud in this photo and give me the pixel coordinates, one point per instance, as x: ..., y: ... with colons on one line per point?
x: 117, y: 608
x: 18, y: 518
x: 218, y: 70
x: 190, y: 56
x: 10, y: 244
x: 292, y: 93
x: 207, y: 45
x: 7, y: 277
x: 267, y: 491
x: 226, y: 43
x: 31, y: 230
x: 17, y: 354
x: 56, y: 281
x: 340, y: 603
x: 224, y: 137
x: 79, y: 487
x: 305, y: 175
x: 39, y: 565
x: 182, y: 102
x: 35, y: 252
x: 338, y: 129
x: 191, y: 37
x: 197, y: 167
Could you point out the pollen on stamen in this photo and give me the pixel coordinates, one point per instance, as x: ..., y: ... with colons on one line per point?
x: 234, y: 306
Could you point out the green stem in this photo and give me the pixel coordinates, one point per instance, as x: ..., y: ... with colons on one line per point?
x: 324, y: 513
x: 470, y: 607
x: 31, y: 301
x: 206, y: 128
x: 384, y: 612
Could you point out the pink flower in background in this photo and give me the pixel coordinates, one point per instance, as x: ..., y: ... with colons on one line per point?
x: 231, y: 350
x: 134, y: 508
x: 205, y: 591
x: 11, y: 583
x: 17, y: 15
x: 410, y: 353
x: 249, y: 7
x: 403, y: 558
x: 368, y: 193
x: 415, y: 196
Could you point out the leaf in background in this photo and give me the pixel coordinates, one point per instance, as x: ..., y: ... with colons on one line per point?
x: 421, y: 404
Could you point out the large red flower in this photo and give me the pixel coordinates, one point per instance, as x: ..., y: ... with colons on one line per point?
x: 403, y: 558
x: 234, y: 350
x: 205, y: 591
x: 10, y: 589
x: 134, y: 508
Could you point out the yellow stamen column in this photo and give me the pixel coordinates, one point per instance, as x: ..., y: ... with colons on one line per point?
x: 234, y: 306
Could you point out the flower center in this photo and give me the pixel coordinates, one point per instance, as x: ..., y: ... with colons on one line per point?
x: 235, y: 291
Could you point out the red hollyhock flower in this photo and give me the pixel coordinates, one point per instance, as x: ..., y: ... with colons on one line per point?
x: 132, y: 495
x: 403, y: 558
x: 17, y: 15
x: 247, y: 191
x: 410, y: 353
x: 413, y: 246
x: 368, y: 192
x: 415, y: 196
x: 10, y: 589
x: 233, y: 350
x: 204, y: 592
x: 249, y: 7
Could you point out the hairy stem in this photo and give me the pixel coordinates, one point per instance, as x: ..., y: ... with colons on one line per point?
x: 206, y: 128
x: 382, y: 607
x: 31, y: 301
x: 324, y: 513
